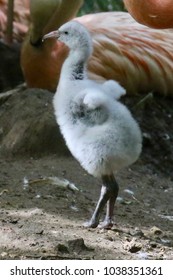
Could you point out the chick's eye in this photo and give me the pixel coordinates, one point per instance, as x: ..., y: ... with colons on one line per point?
x: 66, y: 32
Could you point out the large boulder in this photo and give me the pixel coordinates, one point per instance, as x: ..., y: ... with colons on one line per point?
x: 28, y: 126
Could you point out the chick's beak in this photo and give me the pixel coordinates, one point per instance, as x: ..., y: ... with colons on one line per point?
x: 53, y: 34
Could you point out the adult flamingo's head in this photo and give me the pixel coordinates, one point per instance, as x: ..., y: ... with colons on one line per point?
x: 50, y: 15
x: 41, y: 62
x: 153, y: 13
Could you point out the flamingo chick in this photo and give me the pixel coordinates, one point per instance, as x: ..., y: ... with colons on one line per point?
x: 99, y: 131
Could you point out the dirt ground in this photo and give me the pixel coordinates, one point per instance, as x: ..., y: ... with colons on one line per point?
x: 40, y: 220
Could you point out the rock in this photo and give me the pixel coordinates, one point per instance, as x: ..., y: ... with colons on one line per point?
x: 28, y: 124
x: 77, y: 245
x: 132, y: 246
x: 137, y: 233
x: 62, y: 248
x: 73, y: 247
x: 153, y: 244
x: 156, y: 231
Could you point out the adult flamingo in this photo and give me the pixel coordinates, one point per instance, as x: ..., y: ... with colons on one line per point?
x: 138, y: 57
x: 153, y: 13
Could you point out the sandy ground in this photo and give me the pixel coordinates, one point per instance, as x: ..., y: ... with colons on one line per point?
x: 40, y: 220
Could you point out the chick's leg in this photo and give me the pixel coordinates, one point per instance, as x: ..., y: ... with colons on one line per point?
x: 113, y: 187
x: 109, y: 192
x: 104, y: 196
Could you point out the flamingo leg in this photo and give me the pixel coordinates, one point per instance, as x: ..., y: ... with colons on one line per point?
x: 10, y: 15
x: 108, y: 194
x: 114, y: 188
